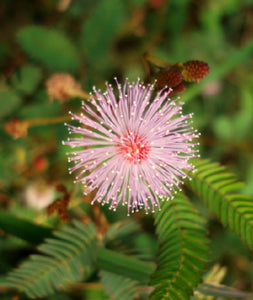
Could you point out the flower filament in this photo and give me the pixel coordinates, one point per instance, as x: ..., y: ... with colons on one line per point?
x: 134, y: 148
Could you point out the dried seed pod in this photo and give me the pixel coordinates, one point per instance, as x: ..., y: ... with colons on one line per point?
x: 60, y: 206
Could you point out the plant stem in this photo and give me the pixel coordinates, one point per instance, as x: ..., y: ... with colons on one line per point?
x: 47, y: 121
x: 120, y: 264
x: 24, y: 229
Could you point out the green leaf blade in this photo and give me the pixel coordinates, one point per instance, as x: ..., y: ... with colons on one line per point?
x: 45, y: 46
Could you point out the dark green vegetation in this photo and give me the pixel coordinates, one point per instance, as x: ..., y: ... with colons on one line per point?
x: 76, y: 251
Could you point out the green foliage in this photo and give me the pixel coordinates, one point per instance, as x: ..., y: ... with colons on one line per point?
x: 9, y: 102
x: 239, y: 126
x: 119, y: 287
x: 100, y: 29
x: 126, y: 266
x: 183, y: 250
x: 39, y: 110
x: 121, y: 230
x: 23, y: 229
x: 223, y: 128
x: 92, y: 293
x: 112, y: 36
x: 65, y: 259
x: 68, y: 255
x: 4, y: 53
x: 218, y: 189
x: 243, y: 120
x: 46, y: 46
x: 27, y: 79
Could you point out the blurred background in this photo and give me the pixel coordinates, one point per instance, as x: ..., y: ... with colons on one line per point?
x: 91, y: 42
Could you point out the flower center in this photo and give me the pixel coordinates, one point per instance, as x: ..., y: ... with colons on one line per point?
x: 133, y: 148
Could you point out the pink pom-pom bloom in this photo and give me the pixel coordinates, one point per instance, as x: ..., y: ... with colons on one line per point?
x: 134, y: 147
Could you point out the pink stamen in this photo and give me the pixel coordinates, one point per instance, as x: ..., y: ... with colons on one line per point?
x: 134, y: 148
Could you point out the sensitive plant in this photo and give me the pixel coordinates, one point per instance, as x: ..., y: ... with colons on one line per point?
x: 84, y: 251
x: 135, y: 147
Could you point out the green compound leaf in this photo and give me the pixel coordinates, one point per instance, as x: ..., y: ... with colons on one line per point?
x: 219, y: 190
x: 108, y: 260
x: 49, y: 47
x: 9, y: 101
x: 64, y: 259
x: 119, y: 287
x: 183, y: 250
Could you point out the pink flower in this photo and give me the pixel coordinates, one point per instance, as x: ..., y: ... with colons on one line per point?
x: 134, y: 147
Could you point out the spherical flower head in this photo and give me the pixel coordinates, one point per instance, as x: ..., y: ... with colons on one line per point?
x: 194, y: 70
x: 171, y: 77
x: 135, y: 148
x: 17, y: 128
x: 39, y: 195
x: 62, y: 86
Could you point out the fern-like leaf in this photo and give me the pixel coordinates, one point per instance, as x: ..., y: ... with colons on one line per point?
x: 64, y: 259
x: 119, y: 287
x: 183, y: 250
x: 219, y: 188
